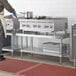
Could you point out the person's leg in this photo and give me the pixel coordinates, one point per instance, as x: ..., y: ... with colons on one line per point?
x: 1, y: 42
x: 1, y: 38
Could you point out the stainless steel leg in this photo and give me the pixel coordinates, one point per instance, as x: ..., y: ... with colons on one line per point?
x: 12, y: 45
x: 31, y: 43
x: 12, y: 53
x: 61, y: 51
x: 26, y: 42
x: 60, y: 60
x: 14, y: 42
x: 21, y: 54
x: 74, y: 63
x: 17, y: 41
x: 21, y: 46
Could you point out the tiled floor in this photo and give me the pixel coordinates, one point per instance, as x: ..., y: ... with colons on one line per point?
x: 42, y: 59
x: 6, y: 74
x: 38, y: 58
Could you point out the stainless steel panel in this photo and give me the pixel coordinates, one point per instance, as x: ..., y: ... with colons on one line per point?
x: 54, y: 47
x: 44, y: 25
x: 12, y: 24
x: 74, y: 47
x: 73, y: 43
x: 9, y: 24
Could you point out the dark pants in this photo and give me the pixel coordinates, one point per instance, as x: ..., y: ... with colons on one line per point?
x: 1, y: 37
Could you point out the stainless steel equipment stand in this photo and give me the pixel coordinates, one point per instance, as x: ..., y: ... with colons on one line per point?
x: 32, y: 50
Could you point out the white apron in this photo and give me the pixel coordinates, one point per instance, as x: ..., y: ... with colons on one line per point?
x: 3, y: 21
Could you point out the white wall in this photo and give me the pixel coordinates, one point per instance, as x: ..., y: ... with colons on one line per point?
x: 54, y: 8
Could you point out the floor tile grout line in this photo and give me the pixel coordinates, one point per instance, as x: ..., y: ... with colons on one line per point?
x: 20, y: 75
x: 27, y: 69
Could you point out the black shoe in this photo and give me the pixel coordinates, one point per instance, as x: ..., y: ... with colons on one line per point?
x: 2, y: 57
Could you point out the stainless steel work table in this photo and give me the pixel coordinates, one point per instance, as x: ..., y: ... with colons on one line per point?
x: 56, y: 39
